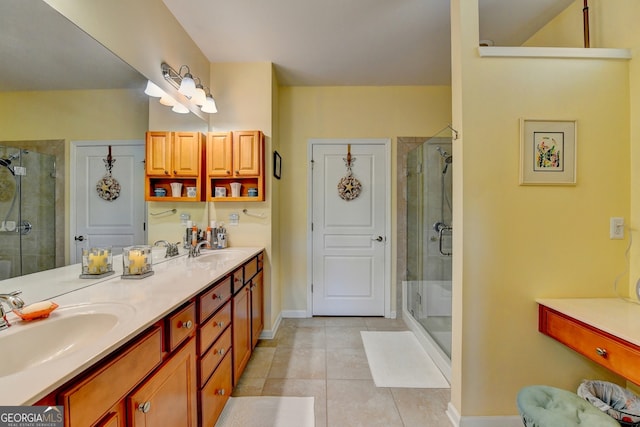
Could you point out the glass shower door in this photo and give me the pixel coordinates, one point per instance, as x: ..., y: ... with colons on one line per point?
x: 429, y: 229
x: 27, y: 212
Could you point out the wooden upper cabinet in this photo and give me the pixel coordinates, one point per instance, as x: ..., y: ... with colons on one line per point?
x: 247, y: 153
x: 219, y: 154
x: 158, y: 153
x: 175, y: 154
x: 187, y: 152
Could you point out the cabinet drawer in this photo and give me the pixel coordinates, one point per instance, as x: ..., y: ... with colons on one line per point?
x: 238, y: 280
x: 89, y: 400
x: 250, y: 269
x: 181, y: 325
x: 212, y: 329
x: 215, y: 393
x: 214, y: 298
x: 216, y: 353
x: 615, y: 354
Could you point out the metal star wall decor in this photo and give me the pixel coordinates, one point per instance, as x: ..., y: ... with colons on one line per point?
x: 348, y: 186
x: 108, y: 187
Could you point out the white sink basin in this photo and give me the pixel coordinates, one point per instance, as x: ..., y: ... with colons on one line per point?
x: 66, y: 330
x: 219, y: 255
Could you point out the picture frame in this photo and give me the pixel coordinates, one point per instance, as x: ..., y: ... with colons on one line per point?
x: 548, y: 152
x: 277, y: 165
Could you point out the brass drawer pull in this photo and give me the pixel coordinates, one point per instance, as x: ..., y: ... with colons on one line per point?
x: 220, y: 392
x: 602, y: 352
x: 219, y: 324
x: 221, y: 351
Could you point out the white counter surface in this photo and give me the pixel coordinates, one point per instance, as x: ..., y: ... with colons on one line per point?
x: 616, y: 316
x: 175, y: 281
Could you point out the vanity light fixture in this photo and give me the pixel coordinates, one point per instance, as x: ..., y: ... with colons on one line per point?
x: 200, y: 96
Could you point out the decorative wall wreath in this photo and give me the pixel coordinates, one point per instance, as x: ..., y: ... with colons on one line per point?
x: 108, y: 187
x: 348, y: 186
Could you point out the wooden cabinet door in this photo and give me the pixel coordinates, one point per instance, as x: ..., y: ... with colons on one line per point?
x: 247, y: 153
x: 187, y: 153
x: 169, y: 396
x: 158, y: 153
x: 241, y: 331
x: 218, y: 152
x: 257, y: 310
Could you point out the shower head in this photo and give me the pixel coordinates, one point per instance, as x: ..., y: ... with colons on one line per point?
x: 6, y: 162
x: 447, y: 158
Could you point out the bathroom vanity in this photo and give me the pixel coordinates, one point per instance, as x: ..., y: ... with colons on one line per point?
x: 605, y: 330
x: 183, y: 335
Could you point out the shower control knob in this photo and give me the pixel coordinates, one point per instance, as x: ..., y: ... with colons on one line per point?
x: 79, y: 238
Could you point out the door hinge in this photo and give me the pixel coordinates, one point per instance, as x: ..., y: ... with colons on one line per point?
x: 311, y: 226
x: 312, y: 288
x: 312, y: 163
x: 144, y: 226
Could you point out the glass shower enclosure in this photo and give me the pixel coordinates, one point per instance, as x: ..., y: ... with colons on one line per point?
x: 27, y: 212
x: 427, y: 287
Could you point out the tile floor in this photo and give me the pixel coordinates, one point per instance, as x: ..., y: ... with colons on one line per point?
x: 324, y: 357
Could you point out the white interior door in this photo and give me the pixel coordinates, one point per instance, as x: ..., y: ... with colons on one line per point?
x: 97, y: 222
x: 350, y: 262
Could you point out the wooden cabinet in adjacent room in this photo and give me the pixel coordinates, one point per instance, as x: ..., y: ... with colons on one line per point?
x: 173, y: 157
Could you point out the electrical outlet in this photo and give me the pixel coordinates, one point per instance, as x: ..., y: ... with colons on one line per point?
x: 616, y: 228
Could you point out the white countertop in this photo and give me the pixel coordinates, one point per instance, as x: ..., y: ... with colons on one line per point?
x: 616, y: 316
x: 175, y: 281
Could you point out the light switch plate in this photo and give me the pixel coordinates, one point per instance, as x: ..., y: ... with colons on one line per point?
x: 616, y: 228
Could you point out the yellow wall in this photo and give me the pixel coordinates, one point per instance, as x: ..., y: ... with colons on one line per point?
x: 114, y: 114
x: 612, y: 25
x: 341, y: 112
x: 518, y: 243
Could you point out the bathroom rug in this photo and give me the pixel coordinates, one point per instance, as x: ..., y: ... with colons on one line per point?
x: 396, y: 359
x: 267, y: 411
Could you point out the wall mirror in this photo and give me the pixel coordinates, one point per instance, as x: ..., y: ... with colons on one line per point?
x: 58, y: 85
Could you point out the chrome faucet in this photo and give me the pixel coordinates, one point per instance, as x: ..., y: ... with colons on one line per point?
x: 172, y: 249
x: 12, y: 300
x: 194, y: 251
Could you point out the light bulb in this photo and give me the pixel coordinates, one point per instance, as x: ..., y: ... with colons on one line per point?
x: 179, y: 108
x: 153, y: 90
x: 209, y: 105
x: 187, y: 86
x: 200, y: 97
x: 167, y: 100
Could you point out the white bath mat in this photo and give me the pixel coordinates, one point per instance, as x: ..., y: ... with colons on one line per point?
x: 396, y: 359
x: 267, y: 411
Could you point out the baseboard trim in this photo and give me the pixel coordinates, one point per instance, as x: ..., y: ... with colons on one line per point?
x: 270, y: 334
x: 458, y: 421
x: 294, y: 314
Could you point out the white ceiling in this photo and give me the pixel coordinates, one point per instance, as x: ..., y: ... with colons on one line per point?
x: 354, y: 42
x: 329, y: 42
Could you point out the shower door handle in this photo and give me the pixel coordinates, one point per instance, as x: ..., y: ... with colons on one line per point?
x: 79, y: 238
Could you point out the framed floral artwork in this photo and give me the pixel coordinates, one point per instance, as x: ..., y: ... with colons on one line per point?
x: 548, y: 152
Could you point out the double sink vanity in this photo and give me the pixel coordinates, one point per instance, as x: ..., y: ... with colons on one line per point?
x: 164, y: 350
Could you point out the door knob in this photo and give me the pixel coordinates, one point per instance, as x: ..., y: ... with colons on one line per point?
x: 378, y: 239
x: 79, y: 238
